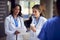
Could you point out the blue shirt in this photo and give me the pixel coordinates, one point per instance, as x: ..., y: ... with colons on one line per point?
x: 51, y: 29
x: 16, y: 22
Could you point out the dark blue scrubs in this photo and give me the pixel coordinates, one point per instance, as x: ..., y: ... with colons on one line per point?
x: 51, y: 29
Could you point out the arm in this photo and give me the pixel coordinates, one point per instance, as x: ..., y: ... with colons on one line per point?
x: 23, y: 26
x: 32, y: 27
x: 7, y: 30
x: 40, y: 25
x: 42, y: 35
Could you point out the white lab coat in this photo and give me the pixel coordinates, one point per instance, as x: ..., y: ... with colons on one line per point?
x: 10, y: 27
x: 33, y: 35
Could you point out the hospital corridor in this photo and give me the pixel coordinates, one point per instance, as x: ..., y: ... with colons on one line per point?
x: 18, y: 18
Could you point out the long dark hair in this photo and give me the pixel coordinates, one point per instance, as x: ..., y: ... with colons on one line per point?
x: 37, y: 6
x: 11, y: 13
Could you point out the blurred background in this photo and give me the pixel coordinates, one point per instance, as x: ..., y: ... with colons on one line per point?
x: 5, y: 7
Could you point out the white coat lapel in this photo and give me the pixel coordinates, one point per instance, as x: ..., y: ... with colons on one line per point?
x: 20, y: 22
x: 12, y: 21
x: 39, y: 23
x: 18, y: 19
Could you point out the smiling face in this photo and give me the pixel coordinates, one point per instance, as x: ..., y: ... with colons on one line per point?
x: 16, y: 10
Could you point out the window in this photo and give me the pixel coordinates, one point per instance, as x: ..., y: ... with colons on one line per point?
x: 27, y: 6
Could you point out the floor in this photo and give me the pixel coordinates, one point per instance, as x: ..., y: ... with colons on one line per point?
x: 26, y: 36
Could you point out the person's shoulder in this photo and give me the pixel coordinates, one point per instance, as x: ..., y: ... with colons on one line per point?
x: 8, y: 17
x: 21, y: 18
x: 51, y: 20
x: 50, y: 23
x: 43, y: 18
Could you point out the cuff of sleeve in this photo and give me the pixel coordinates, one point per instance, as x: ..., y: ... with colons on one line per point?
x: 32, y: 25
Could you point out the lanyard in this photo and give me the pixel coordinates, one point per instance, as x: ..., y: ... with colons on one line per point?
x: 16, y: 22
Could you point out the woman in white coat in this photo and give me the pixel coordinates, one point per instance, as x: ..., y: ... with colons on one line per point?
x: 14, y: 24
x: 37, y: 22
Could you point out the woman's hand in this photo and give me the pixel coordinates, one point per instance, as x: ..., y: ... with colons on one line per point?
x: 16, y: 32
x: 33, y: 29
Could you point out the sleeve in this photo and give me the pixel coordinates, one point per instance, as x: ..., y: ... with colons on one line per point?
x: 38, y: 30
x: 7, y: 30
x: 42, y: 35
x: 44, y: 20
x: 32, y: 23
x: 24, y: 27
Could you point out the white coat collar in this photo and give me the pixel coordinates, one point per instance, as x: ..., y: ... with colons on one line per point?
x: 12, y: 20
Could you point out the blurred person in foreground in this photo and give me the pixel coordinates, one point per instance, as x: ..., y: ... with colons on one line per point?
x: 51, y: 29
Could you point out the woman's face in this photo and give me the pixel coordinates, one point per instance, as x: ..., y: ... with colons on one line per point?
x: 16, y: 10
x: 36, y: 12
